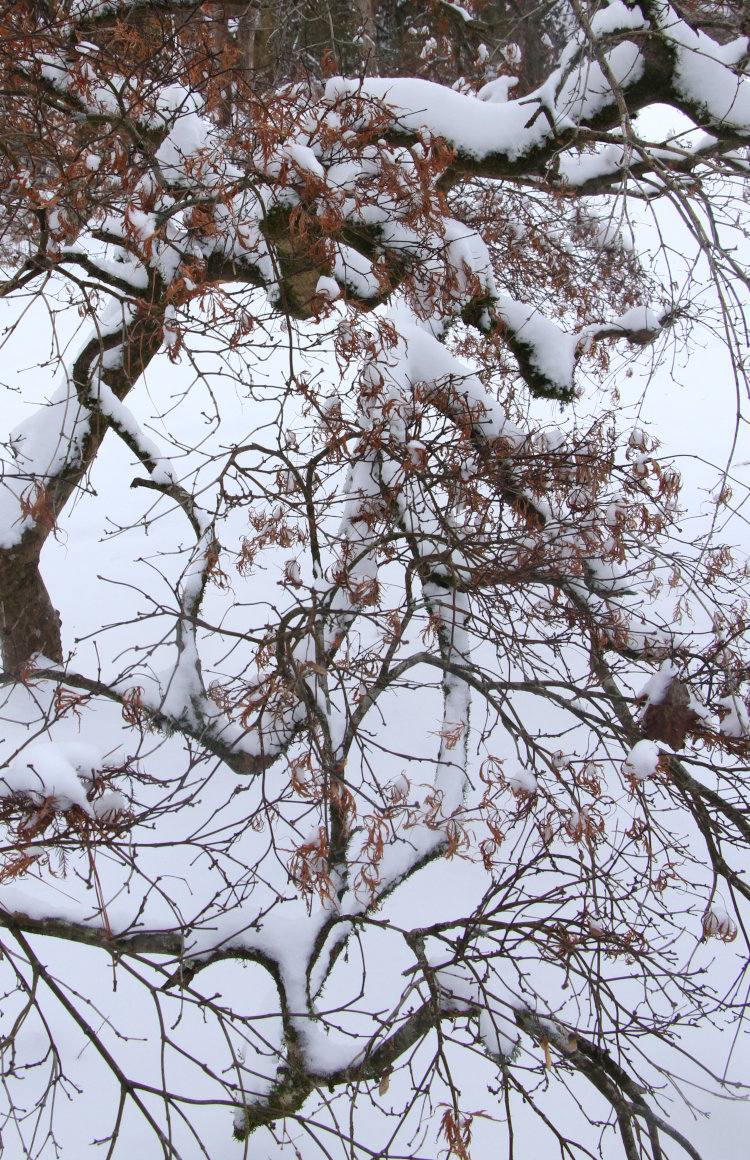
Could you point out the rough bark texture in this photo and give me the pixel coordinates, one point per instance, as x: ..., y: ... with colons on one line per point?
x: 28, y: 622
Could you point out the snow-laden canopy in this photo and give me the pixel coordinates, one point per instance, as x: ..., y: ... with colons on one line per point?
x: 368, y: 712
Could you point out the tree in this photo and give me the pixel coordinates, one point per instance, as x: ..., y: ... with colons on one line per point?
x: 366, y: 340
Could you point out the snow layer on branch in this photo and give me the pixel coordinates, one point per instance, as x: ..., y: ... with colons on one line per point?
x: 355, y: 272
x: 497, y: 1028
x: 736, y: 723
x: 99, y: 99
x: 46, y: 772
x: 491, y: 124
x: 289, y: 940
x: 551, y: 351
x: 422, y: 358
x: 469, y: 258
x: 617, y: 17
x: 39, y: 449
x: 473, y: 126
x: 179, y: 153
x: 638, y: 318
x: 579, y: 168
x: 122, y: 417
x: 656, y: 688
x: 703, y: 71
x: 480, y: 128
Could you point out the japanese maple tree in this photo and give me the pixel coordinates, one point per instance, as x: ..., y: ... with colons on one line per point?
x: 375, y: 748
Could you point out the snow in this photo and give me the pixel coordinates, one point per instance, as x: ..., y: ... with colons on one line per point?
x: 355, y: 272
x: 519, y: 778
x: 642, y: 760
x: 496, y: 1023
x: 143, y: 225
x: 460, y: 10
x: 39, y: 447
x: 579, y: 168
x: 479, y: 128
x: 617, y: 17
x: 638, y: 318
x: 498, y: 91
x: 718, y: 923
x: 130, y: 271
x: 703, y: 72
x: 111, y: 803
x: 82, y: 756
x: 110, y: 405
x: 304, y: 159
x: 45, y: 772
x: 328, y: 288
x: 179, y: 155
x: 657, y: 686
x: 207, y: 864
x: 552, y: 352
x: 736, y: 719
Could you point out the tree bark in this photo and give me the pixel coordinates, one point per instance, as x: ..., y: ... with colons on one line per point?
x: 29, y: 623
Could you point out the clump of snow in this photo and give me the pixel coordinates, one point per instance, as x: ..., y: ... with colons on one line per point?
x: 45, y: 772
x: 718, y: 923
x: 86, y: 759
x: 399, y: 788
x: 736, y: 722
x: 639, y: 318
x: 497, y: 1042
x: 657, y: 686
x: 498, y: 91
x: 303, y: 158
x: 328, y: 288
x: 642, y: 761
x: 179, y: 153
x: 111, y: 803
x: 429, y: 48
x: 617, y: 17
x: 518, y: 778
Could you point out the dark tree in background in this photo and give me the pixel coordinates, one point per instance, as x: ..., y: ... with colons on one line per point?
x: 375, y: 736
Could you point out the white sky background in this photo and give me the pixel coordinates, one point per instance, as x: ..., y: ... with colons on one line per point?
x: 689, y: 403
